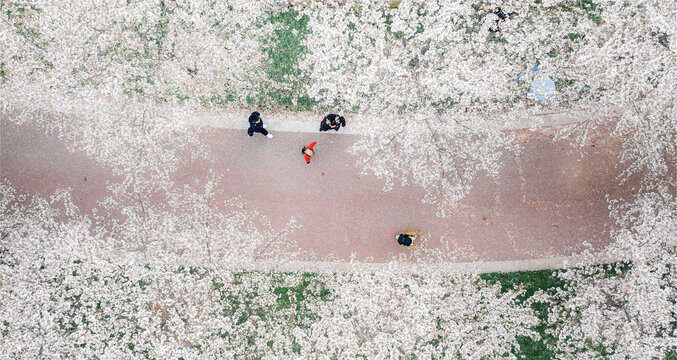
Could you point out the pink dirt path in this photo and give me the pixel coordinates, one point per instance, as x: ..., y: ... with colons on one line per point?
x: 546, y: 202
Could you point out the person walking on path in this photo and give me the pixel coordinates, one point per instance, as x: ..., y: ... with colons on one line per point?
x: 256, y: 125
x: 332, y: 122
x: 408, y: 237
x: 308, y: 152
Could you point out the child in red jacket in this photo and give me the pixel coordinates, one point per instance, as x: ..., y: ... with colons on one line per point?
x: 308, y: 151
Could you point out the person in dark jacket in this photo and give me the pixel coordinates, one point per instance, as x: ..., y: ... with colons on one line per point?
x: 500, y: 16
x: 405, y: 240
x: 408, y: 237
x: 308, y: 152
x: 256, y: 125
x: 332, y: 122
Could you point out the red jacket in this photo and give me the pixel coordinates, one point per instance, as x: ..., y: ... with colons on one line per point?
x: 311, y: 149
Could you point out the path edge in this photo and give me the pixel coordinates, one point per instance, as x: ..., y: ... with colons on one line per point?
x: 481, y: 267
x: 297, y: 122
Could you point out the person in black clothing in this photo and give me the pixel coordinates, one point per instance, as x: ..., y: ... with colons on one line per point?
x: 256, y: 125
x: 404, y: 240
x: 408, y: 237
x: 332, y: 122
x: 501, y: 16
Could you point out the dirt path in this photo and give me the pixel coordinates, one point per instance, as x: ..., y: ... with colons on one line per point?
x: 547, y: 201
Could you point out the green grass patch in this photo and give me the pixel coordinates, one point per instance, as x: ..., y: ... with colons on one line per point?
x: 548, y: 282
x: 531, y: 282
x: 284, y: 49
x: 244, y: 303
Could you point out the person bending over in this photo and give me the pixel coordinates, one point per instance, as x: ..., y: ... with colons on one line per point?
x: 332, y: 122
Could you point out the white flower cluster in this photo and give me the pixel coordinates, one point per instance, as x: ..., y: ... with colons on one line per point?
x: 627, y: 310
x: 388, y: 314
x: 138, y: 142
x: 121, y: 49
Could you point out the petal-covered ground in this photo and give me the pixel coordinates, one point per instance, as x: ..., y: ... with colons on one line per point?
x: 547, y: 201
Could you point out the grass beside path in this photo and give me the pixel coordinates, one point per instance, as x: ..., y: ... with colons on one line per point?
x: 284, y: 49
x: 238, y: 305
x: 531, y: 282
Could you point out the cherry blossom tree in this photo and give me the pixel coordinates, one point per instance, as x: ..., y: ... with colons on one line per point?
x: 628, y: 67
x: 398, y: 313
x: 440, y: 68
x: 385, y: 61
x: 628, y: 309
x: 160, y: 50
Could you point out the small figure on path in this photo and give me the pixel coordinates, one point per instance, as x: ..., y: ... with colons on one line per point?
x: 332, y: 122
x: 308, y: 151
x: 408, y: 237
x: 256, y: 125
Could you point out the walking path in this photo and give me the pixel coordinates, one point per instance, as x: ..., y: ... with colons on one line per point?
x: 546, y: 203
